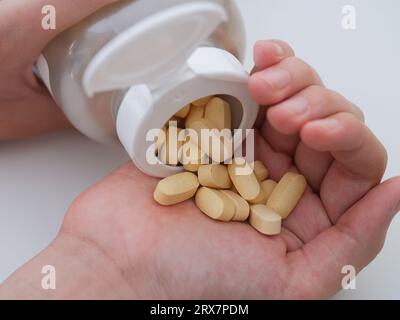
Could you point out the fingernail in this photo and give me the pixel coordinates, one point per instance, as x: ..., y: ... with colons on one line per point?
x: 330, y: 124
x: 297, y: 106
x: 279, y: 50
x: 278, y: 79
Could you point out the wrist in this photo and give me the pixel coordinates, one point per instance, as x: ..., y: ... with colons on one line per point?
x: 75, y: 270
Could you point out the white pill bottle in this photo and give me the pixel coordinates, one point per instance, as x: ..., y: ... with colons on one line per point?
x: 131, y: 66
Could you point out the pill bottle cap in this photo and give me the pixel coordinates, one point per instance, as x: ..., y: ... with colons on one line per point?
x: 163, y: 67
x: 154, y: 49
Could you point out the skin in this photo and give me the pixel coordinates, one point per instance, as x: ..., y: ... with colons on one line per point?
x: 26, y: 108
x: 116, y: 242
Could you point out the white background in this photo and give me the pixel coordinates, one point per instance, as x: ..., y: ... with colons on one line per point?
x: 40, y: 178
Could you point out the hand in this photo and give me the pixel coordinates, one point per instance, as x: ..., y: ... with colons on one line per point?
x: 127, y: 246
x: 26, y: 108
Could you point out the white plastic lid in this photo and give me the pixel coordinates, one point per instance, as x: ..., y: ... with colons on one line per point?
x: 142, y: 110
x: 153, y: 49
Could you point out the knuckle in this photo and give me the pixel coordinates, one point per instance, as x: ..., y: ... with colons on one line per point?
x: 349, y: 120
x: 304, y: 69
x: 289, y: 50
x: 352, y: 108
x: 331, y: 97
x: 320, y: 95
x: 326, y: 97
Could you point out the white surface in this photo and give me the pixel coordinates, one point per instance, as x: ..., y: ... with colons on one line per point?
x: 40, y: 178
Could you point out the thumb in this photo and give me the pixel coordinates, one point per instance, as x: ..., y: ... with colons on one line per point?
x: 355, y: 240
x: 368, y: 221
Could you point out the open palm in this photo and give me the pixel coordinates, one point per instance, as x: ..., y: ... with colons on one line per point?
x: 177, y: 252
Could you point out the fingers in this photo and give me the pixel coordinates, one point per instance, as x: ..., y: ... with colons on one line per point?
x: 289, y: 117
x: 355, y: 240
x: 351, y: 143
x: 282, y: 80
x: 360, y: 160
x: 277, y: 163
x: 22, y: 20
x: 312, y: 112
x: 280, y: 142
x: 314, y: 102
x: 331, y: 129
x: 270, y: 52
x: 274, y: 54
x: 312, y: 164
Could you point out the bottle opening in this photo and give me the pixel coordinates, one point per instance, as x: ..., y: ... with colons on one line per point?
x: 201, y: 132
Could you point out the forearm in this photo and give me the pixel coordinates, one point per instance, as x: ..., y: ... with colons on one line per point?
x: 81, y: 272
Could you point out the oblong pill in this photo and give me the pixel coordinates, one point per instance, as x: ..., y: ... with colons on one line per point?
x: 260, y: 171
x: 287, y: 194
x: 214, y: 176
x: 191, y: 167
x: 242, y: 208
x: 176, y: 188
x: 268, y: 186
x: 261, y: 199
x: 200, y: 127
x: 215, y: 204
x: 202, y: 102
x: 183, y: 112
x: 195, y: 114
x: 265, y: 220
x: 219, y: 111
x: 192, y: 157
x: 244, y: 179
x: 218, y: 145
